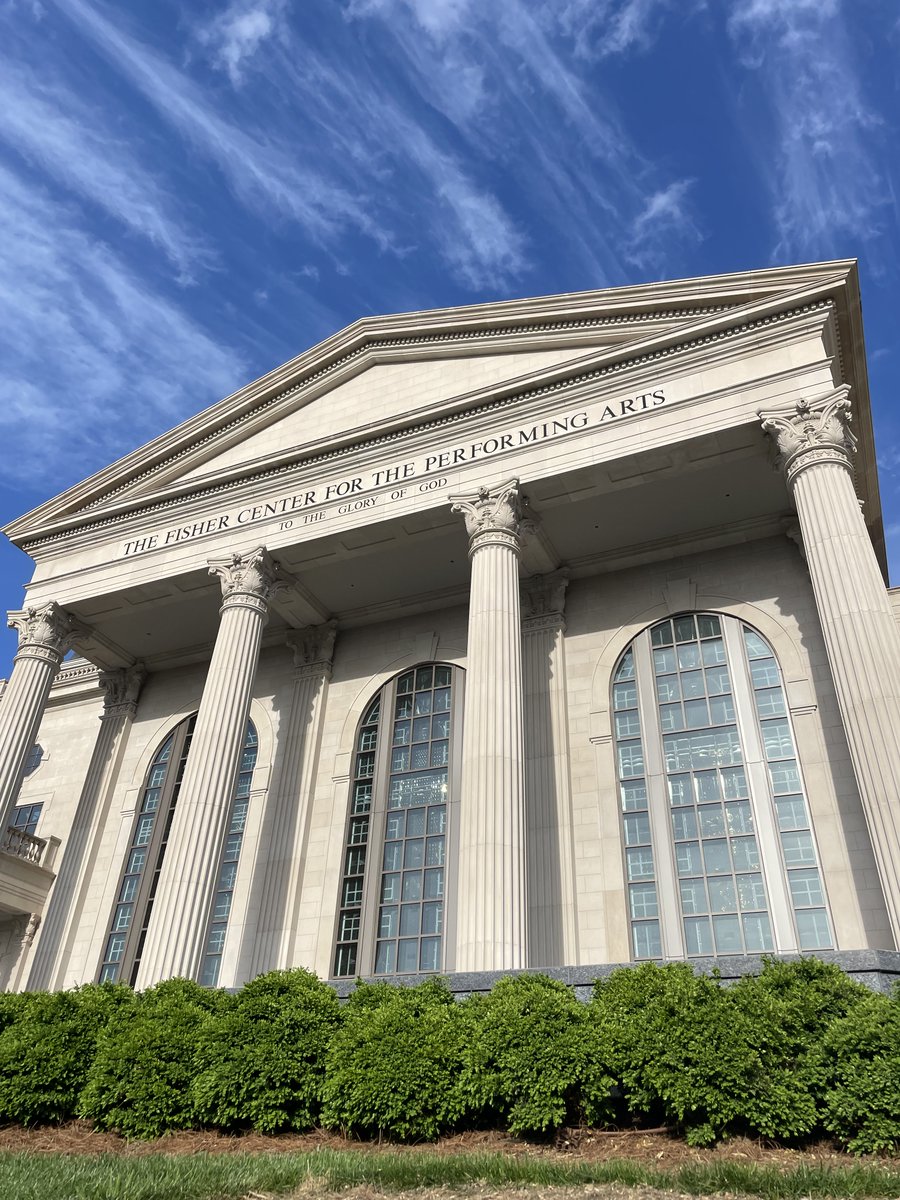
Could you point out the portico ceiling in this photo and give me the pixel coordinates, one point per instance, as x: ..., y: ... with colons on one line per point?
x: 705, y: 491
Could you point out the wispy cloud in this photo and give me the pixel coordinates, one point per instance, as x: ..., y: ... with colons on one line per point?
x: 601, y: 28
x: 235, y: 35
x: 827, y: 178
x: 665, y: 219
x: 57, y: 131
x: 95, y: 360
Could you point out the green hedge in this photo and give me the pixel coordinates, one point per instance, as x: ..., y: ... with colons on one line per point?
x: 797, y: 1052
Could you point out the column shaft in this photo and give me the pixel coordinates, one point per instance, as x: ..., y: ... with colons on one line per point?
x: 187, y: 882
x: 53, y: 966
x: 284, y: 837
x: 43, y: 641
x: 858, y: 625
x: 491, y: 921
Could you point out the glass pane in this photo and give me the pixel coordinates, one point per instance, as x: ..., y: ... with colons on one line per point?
x: 734, y: 783
x: 440, y: 754
x: 661, y: 635
x: 440, y: 725
x: 717, y: 681
x: 764, y: 673
x: 727, y: 932
x: 698, y: 935
x: 798, y: 849
x: 395, y: 824
x: 671, y: 718
x: 688, y: 858
x: 400, y: 759
x: 785, y: 777
x: 708, y: 625
x: 419, y: 758
x: 637, y: 829
x: 437, y: 819
x: 712, y: 820
x: 680, y: 791
x: 405, y: 682
x: 713, y: 652
x: 390, y: 887
x: 434, y: 884
x: 722, y: 896
x: 684, y: 823
x: 693, y: 897
x: 430, y: 954
x: 628, y: 724
x: 770, y: 702
x: 642, y: 897
x: 386, y: 958
x: 624, y: 695
x: 639, y: 863
x: 812, y: 928
x: 432, y: 918
x: 806, y: 887
x: 696, y: 714
x: 625, y: 669
x: 424, y: 678
x: 757, y: 932
x: 412, y: 885
x: 129, y: 888
x: 414, y: 853
x: 745, y: 853
x: 421, y: 728
x: 684, y: 629
x: 631, y: 759
x: 688, y: 656
x: 751, y: 892
x: 434, y: 852
x: 392, y: 857
x: 664, y: 662
x: 791, y: 812
x: 739, y: 817
x: 721, y: 710
x: 716, y: 857
x: 692, y: 685
x: 404, y: 707
x: 646, y: 939
x: 408, y: 955
x: 352, y: 892
x: 442, y: 676
x: 409, y: 920
x: 402, y: 731
x: 442, y: 700
x: 415, y: 822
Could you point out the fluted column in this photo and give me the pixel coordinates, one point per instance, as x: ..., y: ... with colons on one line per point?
x: 548, y: 793
x: 53, y: 965
x: 44, y: 638
x: 284, y: 836
x: 181, y: 910
x: 816, y: 448
x: 491, y: 923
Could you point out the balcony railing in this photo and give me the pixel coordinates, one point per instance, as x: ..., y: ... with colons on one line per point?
x: 23, y: 845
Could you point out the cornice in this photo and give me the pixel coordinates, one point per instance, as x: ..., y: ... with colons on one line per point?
x: 466, y: 326
x: 591, y: 372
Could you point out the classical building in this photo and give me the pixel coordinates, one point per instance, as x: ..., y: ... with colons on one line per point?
x: 552, y: 633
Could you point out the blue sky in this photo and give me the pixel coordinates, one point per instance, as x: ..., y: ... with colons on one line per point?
x: 192, y: 193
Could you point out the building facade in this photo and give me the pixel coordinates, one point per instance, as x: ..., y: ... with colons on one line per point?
x: 543, y: 634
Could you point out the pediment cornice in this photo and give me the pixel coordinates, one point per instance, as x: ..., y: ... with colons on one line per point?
x: 645, y: 331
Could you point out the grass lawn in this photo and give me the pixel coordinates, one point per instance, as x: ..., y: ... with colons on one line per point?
x: 25, y: 1175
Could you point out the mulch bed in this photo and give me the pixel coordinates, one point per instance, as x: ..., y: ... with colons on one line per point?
x: 655, y: 1148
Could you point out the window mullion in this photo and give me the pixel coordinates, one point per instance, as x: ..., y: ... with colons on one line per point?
x: 372, y: 878
x: 780, y: 910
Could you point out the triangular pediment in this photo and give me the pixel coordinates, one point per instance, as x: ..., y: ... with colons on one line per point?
x: 385, y: 374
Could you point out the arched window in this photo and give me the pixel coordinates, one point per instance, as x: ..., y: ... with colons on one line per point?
x: 719, y: 853
x: 391, y: 912
x: 143, y: 862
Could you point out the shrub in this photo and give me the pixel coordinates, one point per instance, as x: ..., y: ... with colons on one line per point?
x: 788, y: 1008
x: 139, y: 1081
x: 532, y: 1059
x: 394, y: 1065
x: 684, y: 1053
x: 262, y: 1062
x: 861, y: 1054
x: 45, y: 1053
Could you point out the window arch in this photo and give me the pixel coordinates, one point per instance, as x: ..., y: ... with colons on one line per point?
x: 143, y: 863
x: 719, y: 853
x: 392, y: 900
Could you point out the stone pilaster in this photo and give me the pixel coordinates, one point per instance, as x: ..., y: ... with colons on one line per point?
x: 492, y: 920
x: 44, y: 639
x: 284, y: 835
x: 549, y: 851
x: 187, y: 882
x: 53, y: 966
x: 816, y: 448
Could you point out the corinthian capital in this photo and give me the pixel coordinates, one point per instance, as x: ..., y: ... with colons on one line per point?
x: 812, y: 431
x: 121, y: 690
x: 254, y: 576
x: 492, y: 510
x: 313, y: 647
x: 45, y: 631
